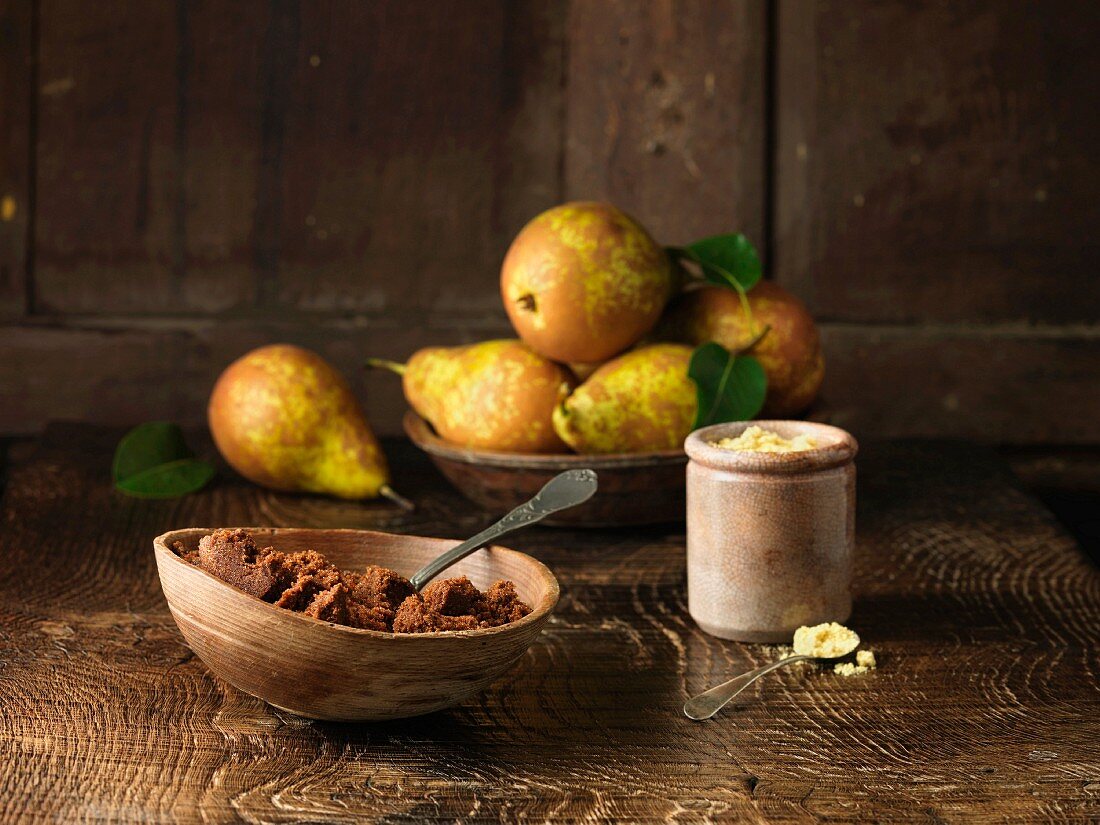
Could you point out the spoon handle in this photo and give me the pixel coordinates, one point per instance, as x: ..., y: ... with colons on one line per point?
x: 709, y: 702
x: 564, y: 490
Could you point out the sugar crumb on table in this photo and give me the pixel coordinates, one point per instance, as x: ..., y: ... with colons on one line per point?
x: 865, y: 661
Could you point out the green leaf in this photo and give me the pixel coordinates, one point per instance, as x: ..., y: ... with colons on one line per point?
x: 728, y: 387
x: 154, y: 461
x: 147, y: 446
x: 727, y: 260
x: 176, y: 478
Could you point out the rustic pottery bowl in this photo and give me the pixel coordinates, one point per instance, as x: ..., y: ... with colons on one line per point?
x: 770, y: 536
x: 635, y: 488
x: 327, y: 671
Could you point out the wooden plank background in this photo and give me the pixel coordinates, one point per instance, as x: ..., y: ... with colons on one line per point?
x: 181, y: 181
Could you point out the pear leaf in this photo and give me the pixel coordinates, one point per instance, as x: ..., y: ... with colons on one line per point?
x: 154, y: 461
x: 728, y: 387
x: 146, y: 446
x: 170, y: 480
x: 727, y: 260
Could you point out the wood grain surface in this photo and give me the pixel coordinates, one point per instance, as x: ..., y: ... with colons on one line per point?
x: 1016, y: 384
x: 329, y: 157
x: 17, y: 72
x: 665, y: 113
x: 1019, y: 386
x: 934, y: 161
x: 983, y: 613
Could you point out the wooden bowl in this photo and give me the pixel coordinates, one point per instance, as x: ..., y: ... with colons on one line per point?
x: 328, y: 671
x: 635, y: 488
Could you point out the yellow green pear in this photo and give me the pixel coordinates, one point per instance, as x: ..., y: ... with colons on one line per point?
x: 584, y: 281
x: 790, y: 351
x: 284, y: 418
x: 495, y: 395
x: 641, y: 401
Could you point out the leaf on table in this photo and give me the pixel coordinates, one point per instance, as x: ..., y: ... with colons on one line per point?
x: 176, y: 478
x: 147, y: 446
x: 728, y: 387
x: 726, y: 259
x: 154, y: 461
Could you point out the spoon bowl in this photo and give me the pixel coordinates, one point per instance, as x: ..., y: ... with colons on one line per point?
x: 329, y: 671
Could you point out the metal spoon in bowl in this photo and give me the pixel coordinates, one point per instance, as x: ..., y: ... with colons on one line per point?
x: 709, y: 702
x: 563, y: 491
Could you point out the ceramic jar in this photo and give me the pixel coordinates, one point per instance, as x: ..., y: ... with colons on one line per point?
x: 770, y: 536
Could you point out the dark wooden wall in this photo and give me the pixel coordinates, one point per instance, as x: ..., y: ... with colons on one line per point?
x: 182, y: 181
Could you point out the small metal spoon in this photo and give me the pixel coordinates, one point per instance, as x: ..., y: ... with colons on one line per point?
x: 709, y: 702
x: 563, y: 491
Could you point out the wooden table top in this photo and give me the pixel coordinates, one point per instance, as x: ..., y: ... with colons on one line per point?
x: 984, y: 615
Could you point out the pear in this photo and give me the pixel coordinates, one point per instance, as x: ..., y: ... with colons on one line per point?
x: 496, y: 395
x: 284, y: 418
x: 641, y: 401
x: 584, y: 281
x: 789, y: 352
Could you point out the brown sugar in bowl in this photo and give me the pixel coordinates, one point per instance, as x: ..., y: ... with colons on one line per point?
x: 770, y: 536
x: 334, y: 672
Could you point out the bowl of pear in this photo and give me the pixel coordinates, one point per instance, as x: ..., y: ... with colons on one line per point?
x: 635, y: 488
x: 499, y: 421
x: 621, y: 352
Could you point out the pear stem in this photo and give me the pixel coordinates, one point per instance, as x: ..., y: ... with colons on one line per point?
x: 682, y: 252
x: 386, y: 491
x: 383, y: 364
x: 754, y: 341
